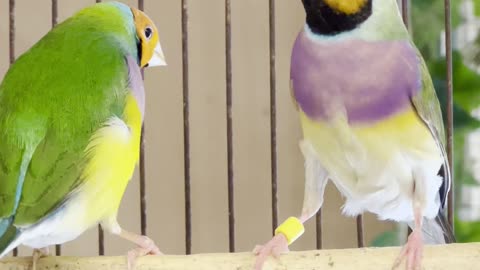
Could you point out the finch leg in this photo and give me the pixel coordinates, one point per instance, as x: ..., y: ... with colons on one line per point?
x: 412, y: 252
x: 316, y: 179
x: 145, y: 245
x: 37, y: 254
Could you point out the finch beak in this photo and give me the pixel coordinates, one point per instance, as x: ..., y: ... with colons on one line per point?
x: 158, y: 59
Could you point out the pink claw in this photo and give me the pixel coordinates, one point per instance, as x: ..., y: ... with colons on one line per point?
x: 276, y: 246
x: 412, y: 251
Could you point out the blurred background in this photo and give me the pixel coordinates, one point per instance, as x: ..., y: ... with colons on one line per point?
x: 252, y: 171
x: 427, y: 20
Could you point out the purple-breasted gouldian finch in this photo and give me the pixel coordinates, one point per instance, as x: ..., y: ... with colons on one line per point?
x: 71, y: 112
x: 371, y: 123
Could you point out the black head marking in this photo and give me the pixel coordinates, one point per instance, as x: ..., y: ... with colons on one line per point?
x: 324, y: 20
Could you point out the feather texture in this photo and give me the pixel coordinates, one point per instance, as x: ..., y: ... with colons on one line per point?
x: 71, y: 110
x: 368, y: 107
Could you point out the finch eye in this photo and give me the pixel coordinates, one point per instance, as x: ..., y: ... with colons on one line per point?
x: 148, y: 32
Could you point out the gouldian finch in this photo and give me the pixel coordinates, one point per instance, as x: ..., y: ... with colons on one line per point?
x: 71, y: 112
x: 371, y: 123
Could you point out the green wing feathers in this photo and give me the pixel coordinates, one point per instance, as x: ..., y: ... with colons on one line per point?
x: 8, y: 235
x: 10, y: 164
x: 53, y: 173
x: 52, y: 100
x: 427, y: 105
x: 428, y: 108
x: 35, y: 178
x: 48, y: 115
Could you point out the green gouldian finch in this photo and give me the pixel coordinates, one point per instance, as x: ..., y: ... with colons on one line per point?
x: 71, y: 112
x: 371, y: 123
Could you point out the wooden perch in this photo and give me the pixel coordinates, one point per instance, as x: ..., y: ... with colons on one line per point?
x: 454, y: 256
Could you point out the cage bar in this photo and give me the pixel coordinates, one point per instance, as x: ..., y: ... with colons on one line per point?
x: 101, y: 241
x: 360, y: 238
x: 143, y: 200
x: 228, y: 57
x: 143, y: 194
x: 448, y: 53
x: 406, y: 12
x: 186, y: 129
x: 58, y: 248
x: 101, y: 236
x: 273, y: 115
x: 54, y: 13
x: 11, y: 32
x: 318, y: 228
x: 406, y: 20
x: 360, y: 233
x: 11, y: 50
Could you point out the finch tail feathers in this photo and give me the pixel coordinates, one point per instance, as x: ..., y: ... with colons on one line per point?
x: 437, y: 231
x: 9, y: 233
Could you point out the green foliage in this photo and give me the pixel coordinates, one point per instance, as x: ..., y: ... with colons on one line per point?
x: 467, y: 231
x: 477, y: 7
x: 466, y: 98
x: 428, y: 20
x: 466, y: 82
x: 386, y: 239
x: 427, y: 24
x: 466, y: 85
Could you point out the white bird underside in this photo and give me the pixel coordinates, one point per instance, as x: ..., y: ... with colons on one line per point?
x: 376, y: 168
x: 66, y: 224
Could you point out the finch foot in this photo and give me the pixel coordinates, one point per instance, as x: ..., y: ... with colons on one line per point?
x: 146, y: 246
x: 276, y: 246
x: 37, y: 254
x: 412, y: 252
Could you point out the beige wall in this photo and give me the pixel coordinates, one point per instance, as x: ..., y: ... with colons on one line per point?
x: 208, y: 128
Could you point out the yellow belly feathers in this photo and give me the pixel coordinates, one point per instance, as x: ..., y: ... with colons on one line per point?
x: 113, y: 152
x: 364, y: 154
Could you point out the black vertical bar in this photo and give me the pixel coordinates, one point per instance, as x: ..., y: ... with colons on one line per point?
x: 11, y: 37
x: 228, y: 56
x: 406, y: 20
x: 273, y: 116
x: 143, y: 195
x: 448, y: 46
x: 101, y: 241
x: 360, y: 240
x: 406, y: 12
x: 11, y: 7
x: 101, y: 236
x: 186, y: 129
x: 318, y: 224
x: 58, y: 248
x: 54, y: 13
x: 143, y: 199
